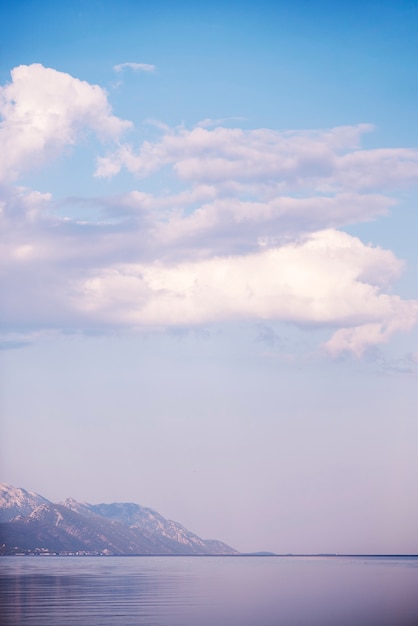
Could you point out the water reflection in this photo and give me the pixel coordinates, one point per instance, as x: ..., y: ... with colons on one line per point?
x: 164, y: 591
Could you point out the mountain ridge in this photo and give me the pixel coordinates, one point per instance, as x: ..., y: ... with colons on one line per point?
x: 31, y: 524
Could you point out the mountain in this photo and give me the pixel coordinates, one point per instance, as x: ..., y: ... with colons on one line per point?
x: 33, y: 524
x: 15, y: 501
x: 56, y: 528
x: 168, y: 533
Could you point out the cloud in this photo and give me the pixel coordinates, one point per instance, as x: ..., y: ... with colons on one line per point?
x: 268, y: 336
x: 80, y: 275
x: 43, y: 111
x: 399, y: 365
x: 269, y: 161
x: 208, y: 122
x: 327, y: 280
x: 246, y: 226
x: 228, y: 224
x: 136, y: 67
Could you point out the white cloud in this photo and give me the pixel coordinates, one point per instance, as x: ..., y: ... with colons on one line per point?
x: 374, y: 169
x: 81, y: 275
x: 228, y: 223
x: 43, y: 111
x: 77, y: 275
x: 356, y: 340
x: 324, y: 161
x: 320, y: 281
x: 136, y: 67
x: 248, y: 230
x: 204, y: 155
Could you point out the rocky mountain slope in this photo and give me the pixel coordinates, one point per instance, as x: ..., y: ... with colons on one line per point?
x: 33, y: 524
x: 153, y: 524
x: 15, y: 501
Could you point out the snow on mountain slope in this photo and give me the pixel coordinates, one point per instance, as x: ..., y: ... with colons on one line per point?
x: 17, y: 501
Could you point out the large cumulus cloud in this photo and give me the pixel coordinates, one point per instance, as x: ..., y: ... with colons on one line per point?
x: 329, y: 279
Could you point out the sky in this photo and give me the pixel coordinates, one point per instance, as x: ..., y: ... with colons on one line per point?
x: 209, y: 265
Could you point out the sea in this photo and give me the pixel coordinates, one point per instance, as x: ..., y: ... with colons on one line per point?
x: 209, y: 591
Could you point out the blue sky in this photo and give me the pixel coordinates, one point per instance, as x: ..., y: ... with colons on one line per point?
x: 210, y: 286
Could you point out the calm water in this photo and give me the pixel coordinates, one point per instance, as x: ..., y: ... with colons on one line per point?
x: 209, y: 591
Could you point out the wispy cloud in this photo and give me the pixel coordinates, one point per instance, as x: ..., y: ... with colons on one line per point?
x: 325, y: 161
x: 136, y: 67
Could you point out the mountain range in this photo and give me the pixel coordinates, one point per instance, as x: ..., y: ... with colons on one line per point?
x: 31, y: 524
